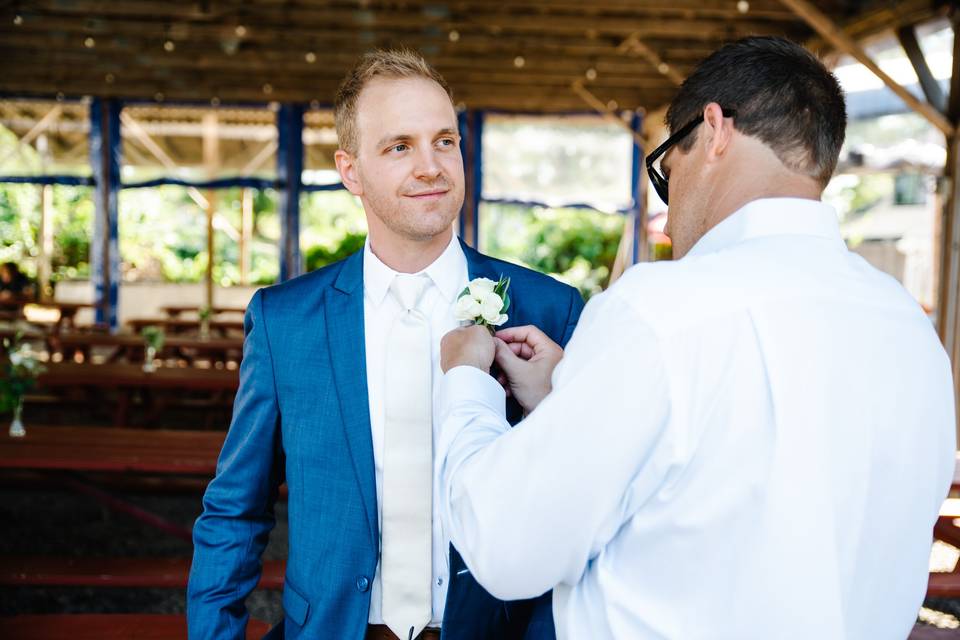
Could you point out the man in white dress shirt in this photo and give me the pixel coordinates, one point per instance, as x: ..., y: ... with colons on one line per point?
x: 751, y: 441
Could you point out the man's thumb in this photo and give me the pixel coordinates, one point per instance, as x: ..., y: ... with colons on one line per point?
x: 508, y: 361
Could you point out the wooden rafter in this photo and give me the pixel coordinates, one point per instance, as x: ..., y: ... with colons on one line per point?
x: 839, y: 39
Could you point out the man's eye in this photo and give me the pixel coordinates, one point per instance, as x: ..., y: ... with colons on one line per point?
x: 447, y: 142
x: 399, y: 148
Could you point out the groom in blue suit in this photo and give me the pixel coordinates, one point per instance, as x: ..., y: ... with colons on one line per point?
x: 317, y: 386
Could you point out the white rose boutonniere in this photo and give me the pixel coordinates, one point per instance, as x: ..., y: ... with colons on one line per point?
x: 484, y: 302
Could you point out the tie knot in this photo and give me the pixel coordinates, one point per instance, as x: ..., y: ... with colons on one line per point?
x: 408, y: 289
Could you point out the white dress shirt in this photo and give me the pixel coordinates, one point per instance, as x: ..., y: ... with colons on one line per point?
x: 751, y: 442
x: 448, y: 276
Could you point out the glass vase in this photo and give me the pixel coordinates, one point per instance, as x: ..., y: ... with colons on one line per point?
x: 16, y: 426
x: 148, y: 364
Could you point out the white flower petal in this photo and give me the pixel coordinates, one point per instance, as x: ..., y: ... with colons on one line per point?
x: 466, y: 308
x: 481, y: 286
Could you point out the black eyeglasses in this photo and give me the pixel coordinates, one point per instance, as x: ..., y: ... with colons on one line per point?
x: 657, y: 179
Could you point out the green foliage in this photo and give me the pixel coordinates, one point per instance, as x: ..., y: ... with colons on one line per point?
x: 333, y: 227
x: 577, y: 246
x: 153, y: 336
x: 321, y: 255
x: 20, y: 372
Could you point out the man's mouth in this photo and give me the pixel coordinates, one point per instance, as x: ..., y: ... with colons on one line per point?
x: 432, y: 194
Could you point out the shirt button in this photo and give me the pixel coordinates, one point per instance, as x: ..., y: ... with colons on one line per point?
x: 439, y: 582
x: 362, y: 584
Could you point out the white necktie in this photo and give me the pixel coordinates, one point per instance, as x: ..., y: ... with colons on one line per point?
x: 406, y: 547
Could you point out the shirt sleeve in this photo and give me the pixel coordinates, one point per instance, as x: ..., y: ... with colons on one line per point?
x: 528, y: 507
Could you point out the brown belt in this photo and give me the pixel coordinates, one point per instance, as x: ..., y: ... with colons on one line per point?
x: 382, y: 632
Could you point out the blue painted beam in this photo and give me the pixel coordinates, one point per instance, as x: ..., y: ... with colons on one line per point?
x: 74, y: 181
x: 636, y: 189
x: 220, y: 183
x: 290, y: 179
x: 309, y: 188
x: 105, y: 245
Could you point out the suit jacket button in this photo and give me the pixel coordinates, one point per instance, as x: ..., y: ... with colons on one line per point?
x: 363, y: 584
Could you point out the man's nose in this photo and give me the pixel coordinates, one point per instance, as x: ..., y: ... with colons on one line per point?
x: 427, y: 165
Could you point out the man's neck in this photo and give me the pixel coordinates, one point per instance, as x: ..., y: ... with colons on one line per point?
x: 409, y: 256
x: 773, y: 184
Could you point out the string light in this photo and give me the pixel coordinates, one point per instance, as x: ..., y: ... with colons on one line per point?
x: 169, y: 46
x: 591, y: 74
x: 612, y: 105
x: 311, y: 57
x: 215, y: 101
x: 240, y: 31
x: 18, y: 19
x: 158, y: 96
x: 519, y: 61
x: 663, y: 68
x: 268, y: 88
x: 454, y: 36
x: 743, y: 6
x: 109, y: 78
x: 89, y: 43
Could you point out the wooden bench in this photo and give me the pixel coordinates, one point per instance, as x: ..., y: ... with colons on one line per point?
x: 111, y: 626
x: 45, y: 571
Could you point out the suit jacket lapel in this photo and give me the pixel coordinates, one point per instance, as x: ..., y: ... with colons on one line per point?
x: 480, y: 266
x: 347, y: 344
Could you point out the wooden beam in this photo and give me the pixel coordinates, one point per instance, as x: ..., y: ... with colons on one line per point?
x: 907, y: 36
x: 608, y: 114
x: 838, y: 38
x: 39, y: 128
x: 634, y: 45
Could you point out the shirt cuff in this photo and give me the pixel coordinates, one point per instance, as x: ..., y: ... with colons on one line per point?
x: 467, y: 385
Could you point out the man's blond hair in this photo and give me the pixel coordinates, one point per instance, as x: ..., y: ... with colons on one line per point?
x: 392, y: 64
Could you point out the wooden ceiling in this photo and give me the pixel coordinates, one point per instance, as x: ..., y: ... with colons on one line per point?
x: 517, y: 55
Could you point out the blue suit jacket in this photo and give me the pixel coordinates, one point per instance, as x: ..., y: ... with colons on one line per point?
x: 302, y: 416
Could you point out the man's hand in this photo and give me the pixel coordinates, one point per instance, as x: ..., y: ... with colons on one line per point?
x: 472, y: 346
x: 527, y: 358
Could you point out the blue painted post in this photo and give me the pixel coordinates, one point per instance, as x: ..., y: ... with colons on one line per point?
x: 477, y: 117
x: 290, y: 177
x: 105, y: 249
x: 639, y: 206
x: 471, y: 147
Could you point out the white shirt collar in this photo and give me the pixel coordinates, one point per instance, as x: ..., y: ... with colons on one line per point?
x: 771, y: 217
x: 447, y: 272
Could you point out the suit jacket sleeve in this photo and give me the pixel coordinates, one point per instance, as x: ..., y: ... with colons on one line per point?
x: 231, y: 533
x: 573, y: 316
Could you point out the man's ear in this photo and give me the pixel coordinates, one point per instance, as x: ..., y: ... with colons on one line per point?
x: 717, y: 131
x: 347, y: 167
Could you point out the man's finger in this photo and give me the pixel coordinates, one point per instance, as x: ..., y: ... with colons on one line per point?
x: 530, y: 336
x: 505, y: 357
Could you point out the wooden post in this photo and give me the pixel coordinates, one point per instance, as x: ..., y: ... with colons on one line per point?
x: 211, y: 160
x: 948, y: 318
x: 105, y: 151
x: 44, y: 267
x: 246, y: 234
x: 470, y: 124
x: 641, y: 243
x: 289, y: 174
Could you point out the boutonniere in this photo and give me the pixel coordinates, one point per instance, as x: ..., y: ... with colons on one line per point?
x: 484, y: 302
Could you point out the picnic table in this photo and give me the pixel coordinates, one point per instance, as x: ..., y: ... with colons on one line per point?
x: 121, y: 375
x: 947, y: 584
x: 216, y: 386
x: 69, y: 454
x: 130, y: 348
x: 174, y: 310
x: 186, y: 325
